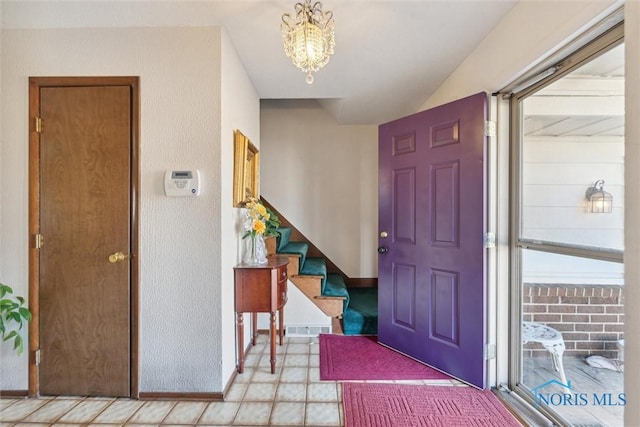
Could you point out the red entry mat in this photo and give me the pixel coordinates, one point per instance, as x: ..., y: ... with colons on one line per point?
x: 395, y: 405
x: 345, y: 357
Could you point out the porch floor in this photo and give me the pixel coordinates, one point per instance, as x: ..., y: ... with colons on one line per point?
x: 586, y: 382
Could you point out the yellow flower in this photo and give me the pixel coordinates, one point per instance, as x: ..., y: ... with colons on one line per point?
x: 258, y: 226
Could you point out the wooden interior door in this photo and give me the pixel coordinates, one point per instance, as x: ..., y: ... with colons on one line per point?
x: 431, y: 287
x: 85, y: 210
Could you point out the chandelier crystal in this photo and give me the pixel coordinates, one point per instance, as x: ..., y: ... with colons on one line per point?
x: 308, y: 37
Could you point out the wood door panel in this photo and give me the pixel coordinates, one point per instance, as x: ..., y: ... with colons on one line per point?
x: 445, y: 204
x: 444, y: 134
x: 404, y: 202
x: 404, y: 295
x: 434, y: 216
x: 404, y: 144
x: 85, y: 210
x: 445, y: 309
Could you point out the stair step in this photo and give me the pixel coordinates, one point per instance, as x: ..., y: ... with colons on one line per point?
x: 361, y: 317
x: 296, y: 248
x: 293, y: 268
x: 315, y: 267
x: 284, y: 234
x: 310, y: 286
x: 336, y: 287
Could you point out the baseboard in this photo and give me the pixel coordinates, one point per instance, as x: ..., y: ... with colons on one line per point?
x: 208, y: 397
x: 230, y: 383
x: 13, y: 394
x: 361, y: 282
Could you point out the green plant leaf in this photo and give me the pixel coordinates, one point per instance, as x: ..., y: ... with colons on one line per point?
x: 12, y: 316
x: 10, y: 335
x: 15, y: 316
x: 7, y: 305
x: 25, y: 313
x: 18, y: 345
x: 4, y: 289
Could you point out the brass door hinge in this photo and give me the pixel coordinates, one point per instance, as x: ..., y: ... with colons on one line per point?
x: 39, y: 241
x: 38, y: 125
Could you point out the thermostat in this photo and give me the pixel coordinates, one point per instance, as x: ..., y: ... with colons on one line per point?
x: 182, y: 183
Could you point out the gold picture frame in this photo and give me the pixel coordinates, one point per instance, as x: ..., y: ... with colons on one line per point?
x: 246, y: 170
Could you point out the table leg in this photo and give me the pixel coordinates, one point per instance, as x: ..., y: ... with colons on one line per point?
x: 240, y: 343
x: 254, y: 328
x: 281, y: 320
x: 272, y: 341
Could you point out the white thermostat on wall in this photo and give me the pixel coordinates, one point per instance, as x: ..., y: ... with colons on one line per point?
x: 182, y: 183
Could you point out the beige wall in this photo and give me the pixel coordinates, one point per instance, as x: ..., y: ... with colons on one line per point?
x: 530, y: 32
x: 240, y: 110
x: 182, y: 267
x: 323, y: 177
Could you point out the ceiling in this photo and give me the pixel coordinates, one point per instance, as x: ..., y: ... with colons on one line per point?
x: 390, y: 55
x: 586, y: 102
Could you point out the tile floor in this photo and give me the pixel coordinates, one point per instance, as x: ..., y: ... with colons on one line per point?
x: 293, y: 396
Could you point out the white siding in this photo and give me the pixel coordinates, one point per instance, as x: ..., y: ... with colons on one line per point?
x: 556, y: 173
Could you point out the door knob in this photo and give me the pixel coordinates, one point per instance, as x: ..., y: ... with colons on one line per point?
x: 383, y: 250
x: 117, y: 257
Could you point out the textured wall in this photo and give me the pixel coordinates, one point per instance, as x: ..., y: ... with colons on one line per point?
x: 240, y: 110
x: 181, y: 286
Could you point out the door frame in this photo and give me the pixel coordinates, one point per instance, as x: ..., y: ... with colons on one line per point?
x: 35, y: 84
x: 603, y: 36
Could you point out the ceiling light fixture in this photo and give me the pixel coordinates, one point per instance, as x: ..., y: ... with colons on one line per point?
x: 308, y: 37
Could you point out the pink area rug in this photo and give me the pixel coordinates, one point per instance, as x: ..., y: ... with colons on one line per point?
x: 395, y: 405
x: 344, y: 358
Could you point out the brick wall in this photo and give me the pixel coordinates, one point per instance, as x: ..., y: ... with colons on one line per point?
x: 590, y: 317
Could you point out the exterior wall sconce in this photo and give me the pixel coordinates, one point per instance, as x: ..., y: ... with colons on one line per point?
x: 599, y: 200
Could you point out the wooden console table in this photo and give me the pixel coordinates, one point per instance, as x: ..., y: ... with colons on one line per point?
x: 261, y: 289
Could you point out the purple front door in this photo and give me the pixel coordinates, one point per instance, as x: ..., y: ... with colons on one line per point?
x: 431, y: 288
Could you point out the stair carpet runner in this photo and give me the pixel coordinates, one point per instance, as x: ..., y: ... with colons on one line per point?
x: 360, y: 306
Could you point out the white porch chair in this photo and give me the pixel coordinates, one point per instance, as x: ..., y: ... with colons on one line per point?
x: 550, y: 339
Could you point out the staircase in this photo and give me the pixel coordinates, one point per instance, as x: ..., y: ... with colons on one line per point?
x: 354, y: 311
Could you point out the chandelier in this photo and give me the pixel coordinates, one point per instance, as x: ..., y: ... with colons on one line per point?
x: 308, y: 37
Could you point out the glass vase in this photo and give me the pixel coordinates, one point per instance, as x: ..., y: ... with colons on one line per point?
x: 256, y: 252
